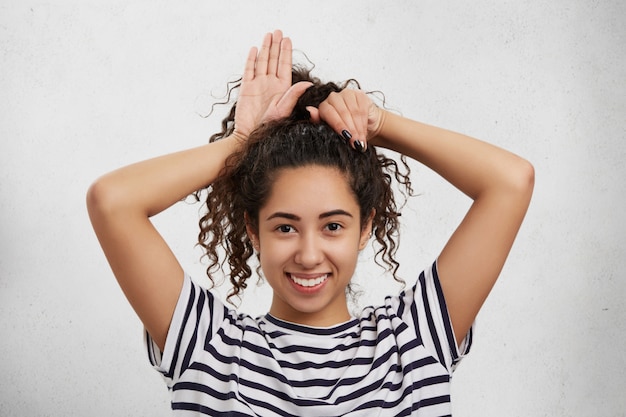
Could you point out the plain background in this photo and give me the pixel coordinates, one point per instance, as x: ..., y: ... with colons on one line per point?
x: 88, y: 86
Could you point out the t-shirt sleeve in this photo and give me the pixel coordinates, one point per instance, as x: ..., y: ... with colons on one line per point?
x: 191, y: 328
x: 429, y: 313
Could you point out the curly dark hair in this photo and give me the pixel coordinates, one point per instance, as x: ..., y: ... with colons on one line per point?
x: 245, y: 183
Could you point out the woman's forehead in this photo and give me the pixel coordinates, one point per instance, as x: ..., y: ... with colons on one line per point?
x: 312, y: 190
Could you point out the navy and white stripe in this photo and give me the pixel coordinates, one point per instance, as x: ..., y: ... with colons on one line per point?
x: 393, y: 360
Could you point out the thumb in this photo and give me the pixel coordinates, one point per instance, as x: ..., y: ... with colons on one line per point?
x: 288, y: 101
x: 315, y: 114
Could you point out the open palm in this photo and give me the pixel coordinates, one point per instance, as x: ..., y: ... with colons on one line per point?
x: 266, y: 92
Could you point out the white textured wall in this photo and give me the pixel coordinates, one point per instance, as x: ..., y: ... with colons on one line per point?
x: 87, y: 86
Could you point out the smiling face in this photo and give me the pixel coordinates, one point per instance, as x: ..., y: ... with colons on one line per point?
x: 309, y: 237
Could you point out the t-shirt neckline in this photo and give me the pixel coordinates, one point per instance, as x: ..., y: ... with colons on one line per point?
x: 334, y: 330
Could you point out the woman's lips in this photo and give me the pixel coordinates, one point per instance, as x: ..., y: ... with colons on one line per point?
x: 308, y: 280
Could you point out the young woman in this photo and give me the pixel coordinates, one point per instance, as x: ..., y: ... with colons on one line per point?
x: 295, y: 180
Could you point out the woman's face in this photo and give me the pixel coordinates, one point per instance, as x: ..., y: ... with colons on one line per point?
x: 309, y: 238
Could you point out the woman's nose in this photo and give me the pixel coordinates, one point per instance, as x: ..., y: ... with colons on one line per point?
x: 310, y: 251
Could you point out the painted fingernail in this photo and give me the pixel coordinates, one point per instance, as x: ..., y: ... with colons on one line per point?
x: 359, y: 145
x: 346, y: 135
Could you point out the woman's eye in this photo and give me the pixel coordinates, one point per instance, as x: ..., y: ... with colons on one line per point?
x: 333, y: 227
x: 284, y: 228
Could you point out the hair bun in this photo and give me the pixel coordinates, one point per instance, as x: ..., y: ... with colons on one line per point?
x: 313, y: 96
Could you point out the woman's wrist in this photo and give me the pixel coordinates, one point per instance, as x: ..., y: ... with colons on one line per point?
x: 238, y: 137
x: 375, y: 135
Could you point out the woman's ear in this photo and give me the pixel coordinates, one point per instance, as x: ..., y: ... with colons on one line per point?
x: 253, y: 234
x: 366, y: 231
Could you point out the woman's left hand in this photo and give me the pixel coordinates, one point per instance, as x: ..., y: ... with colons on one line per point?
x: 352, y: 114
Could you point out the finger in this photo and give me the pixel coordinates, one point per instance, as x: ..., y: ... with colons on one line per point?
x: 354, y: 115
x: 248, y: 72
x: 314, y: 113
x: 288, y: 101
x: 331, y: 111
x: 264, y: 56
x: 275, y: 50
x: 284, y: 61
x: 360, y: 115
x: 336, y: 110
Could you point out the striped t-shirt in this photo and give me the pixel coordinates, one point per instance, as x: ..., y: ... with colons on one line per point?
x: 393, y: 360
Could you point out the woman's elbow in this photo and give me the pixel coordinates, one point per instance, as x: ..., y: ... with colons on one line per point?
x: 527, y: 176
x: 102, y: 198
x: 522, y: 178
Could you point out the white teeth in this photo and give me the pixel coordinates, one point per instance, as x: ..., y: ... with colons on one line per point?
x: 308, y: 282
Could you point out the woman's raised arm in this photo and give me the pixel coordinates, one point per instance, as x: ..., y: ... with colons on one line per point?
x: 120, y: 203
x: 499, y: 183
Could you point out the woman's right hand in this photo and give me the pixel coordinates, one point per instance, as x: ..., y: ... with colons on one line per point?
x: 266, y: 92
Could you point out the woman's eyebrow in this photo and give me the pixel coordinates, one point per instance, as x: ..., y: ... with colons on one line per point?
x: 291, y: 216
x: 283, y: 215
x: 337, y: 212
